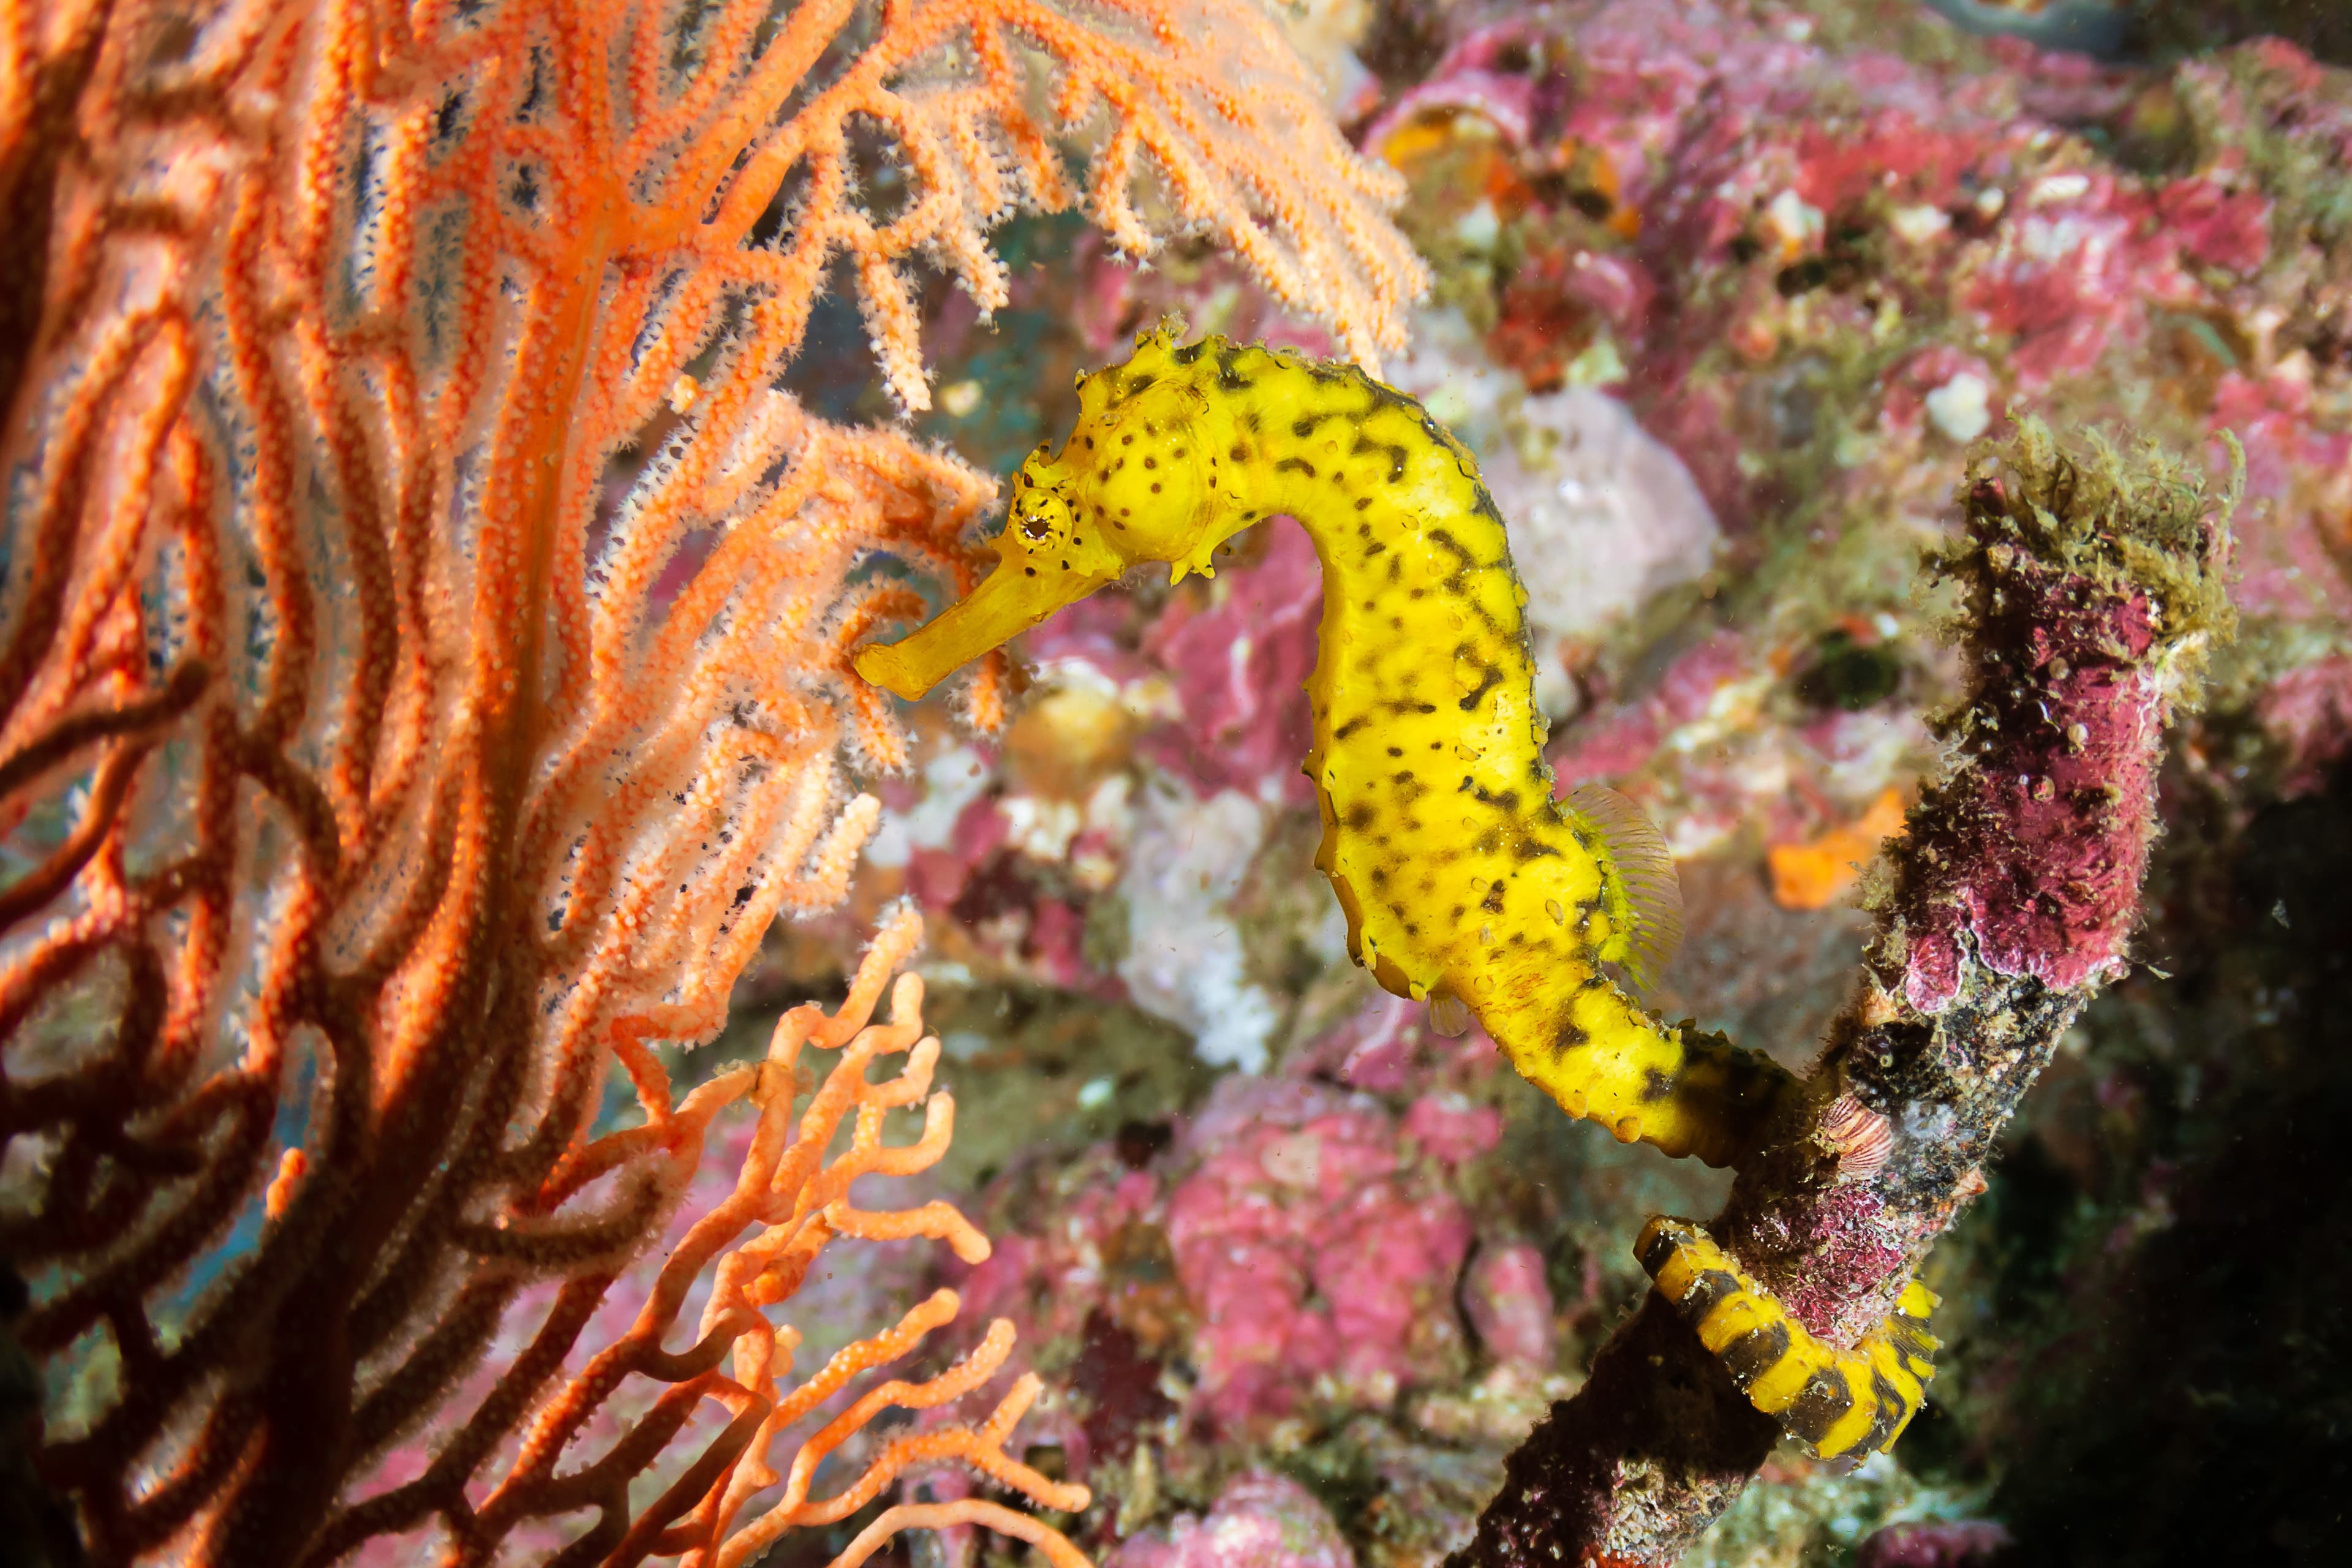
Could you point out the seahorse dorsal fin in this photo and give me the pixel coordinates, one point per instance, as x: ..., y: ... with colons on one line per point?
x: 1638, y: 853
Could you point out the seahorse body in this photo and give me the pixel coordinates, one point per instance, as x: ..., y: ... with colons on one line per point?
x: 1463, y: 881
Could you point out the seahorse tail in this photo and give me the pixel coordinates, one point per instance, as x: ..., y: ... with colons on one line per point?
x: 1842, y: 1404
x: 1683, y: 1092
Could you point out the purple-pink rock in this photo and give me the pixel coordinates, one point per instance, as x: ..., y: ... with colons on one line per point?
x: 1969, y: 1543
x: 1239, y: 664
x: 1321, y: 1263
x: 1509, y: 1304
x: 1260, y: 1520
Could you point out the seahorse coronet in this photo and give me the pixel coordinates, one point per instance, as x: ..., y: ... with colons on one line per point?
x: 1464, y: 882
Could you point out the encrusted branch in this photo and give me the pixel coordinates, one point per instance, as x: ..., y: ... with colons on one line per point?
x: 2091, y: 590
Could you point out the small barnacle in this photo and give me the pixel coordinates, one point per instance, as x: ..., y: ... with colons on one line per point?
x: 1859, y: 1137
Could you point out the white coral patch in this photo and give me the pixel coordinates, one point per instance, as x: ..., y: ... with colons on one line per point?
x: 952, y: 781
x: 1959, y: 408
x: 1185, y: 959
x: 1601, y: 516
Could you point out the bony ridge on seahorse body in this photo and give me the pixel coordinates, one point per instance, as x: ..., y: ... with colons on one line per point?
x: 1465, y: 883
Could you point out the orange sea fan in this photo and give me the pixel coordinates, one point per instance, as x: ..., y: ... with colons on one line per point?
x: 423, y: 662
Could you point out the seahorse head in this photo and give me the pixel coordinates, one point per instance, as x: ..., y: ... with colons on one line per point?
x: 1135, y: 482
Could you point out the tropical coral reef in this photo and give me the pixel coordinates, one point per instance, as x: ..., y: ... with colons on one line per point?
x: 332, y: 834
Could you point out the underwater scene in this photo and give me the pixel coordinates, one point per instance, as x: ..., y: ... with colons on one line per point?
x: 1175, y: 784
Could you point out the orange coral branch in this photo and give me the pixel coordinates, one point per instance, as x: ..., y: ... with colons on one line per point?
x: 375, y: 794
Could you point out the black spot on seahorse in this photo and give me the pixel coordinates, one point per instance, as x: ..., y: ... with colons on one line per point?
x: 1709, y: 1290
x: 1408, y: 788
x: 1190, y: 353
x: 1444, y: 539
x: 1659, y: 1250
x: 1489, y: 678
x: 1304, y: 426
x: 1361, y: 816
x: 1252, y: 420
x: 1351, y: 726
x: 1493, y: 902
x: 1506, y: 800
x: 1888, y: 1414
x: 1397, y: 456
x: 1140, y: 382
x: 1529, y: 848
x: 1568, y: 1037
x: 1295, y: 465
x: 1230, y: 378
x: 1656, y: 1086
x: 1819, y: 1408
x: 1756, y: 1352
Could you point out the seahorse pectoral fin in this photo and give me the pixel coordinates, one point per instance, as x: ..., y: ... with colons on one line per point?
x: 1645, y: 870
x: 1842, y: 1404
x: 1009, y: 601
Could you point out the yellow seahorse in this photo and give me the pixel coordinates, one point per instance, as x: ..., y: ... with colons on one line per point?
x: 1465, y: 883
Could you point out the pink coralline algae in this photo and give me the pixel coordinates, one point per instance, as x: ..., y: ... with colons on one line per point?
x: 1845, y: 1251
x: 1297, y: 1246
x: 1509, y: 1305
x: 2310, y: 712
x: 1967, y: 1543
x: 1239, y: 656
x: 1706, y: 752
x: 1260, y: 1520
x: 1451, y: 1128
x: 2042, y: 874
x: 1320, y: 1261
x: 1824, y: 271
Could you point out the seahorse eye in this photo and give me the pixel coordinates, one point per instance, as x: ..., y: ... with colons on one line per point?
x: 1034, y: 523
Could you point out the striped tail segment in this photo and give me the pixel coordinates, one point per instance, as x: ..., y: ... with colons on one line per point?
x: 1842, y: 1404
